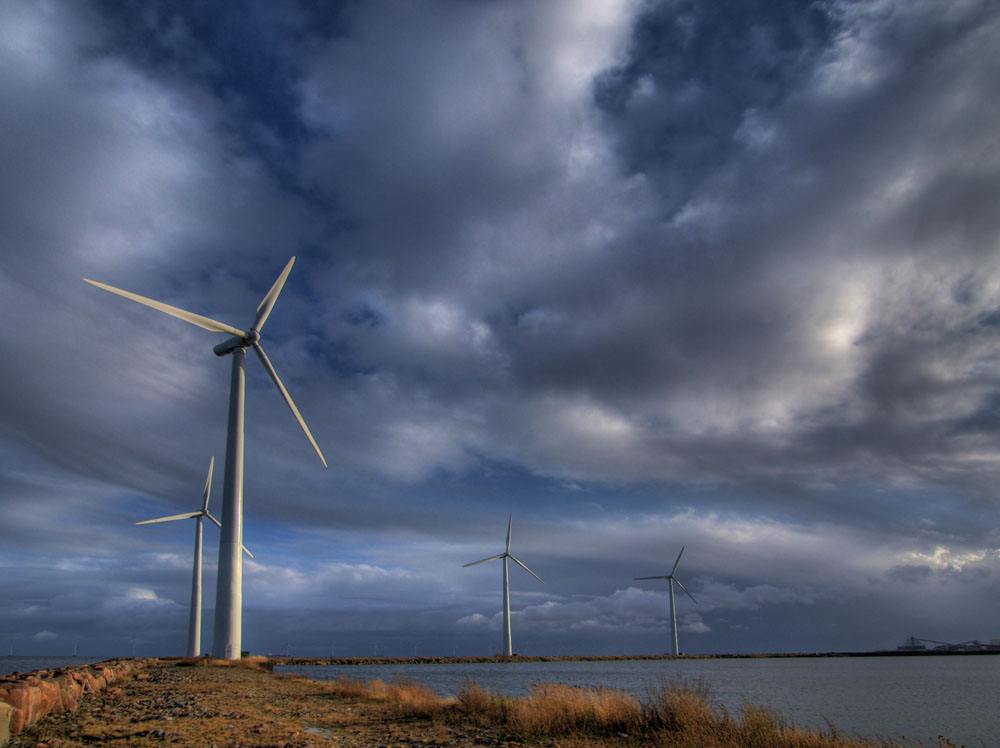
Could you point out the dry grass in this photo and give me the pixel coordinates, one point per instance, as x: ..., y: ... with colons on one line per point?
x: 256, y: 662
x: 676, y: 716
x: 552, y: 709
x: 408, y: 699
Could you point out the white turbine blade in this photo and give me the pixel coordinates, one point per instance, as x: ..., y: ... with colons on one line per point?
x: 288, y: 399
x: 484, y: 560
x: 219, y: 525
x: 678, y: 560
x: 206, y: 323
x: 171, y: 518
x: 509, y: 518
x: 678, y: 581
x: 637, y: 579
x: 267, y: 303
x: 522, y: 565
x: 207, y: 493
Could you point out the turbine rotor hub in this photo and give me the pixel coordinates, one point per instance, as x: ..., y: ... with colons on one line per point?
x: 253, y: 336
x: 229, y: 345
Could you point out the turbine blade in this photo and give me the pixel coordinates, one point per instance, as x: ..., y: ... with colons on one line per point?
x: 484, y: 560
x: 522, y: 565
x: 247, y: 551
x: 288, y: 399
x: 637, y: 579
x: 685, y: 590
x: 206, y: 323
x: 171, y: 518
x: 509, y: 518
x: 267, y: 303
x: 207, y: 493
x: 212, y: 517
x: 678, y: 560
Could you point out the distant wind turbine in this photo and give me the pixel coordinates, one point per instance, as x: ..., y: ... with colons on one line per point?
x: 671, y: 580
x: 194, y: 615
x: 228, y: 633
x: 507, y: 644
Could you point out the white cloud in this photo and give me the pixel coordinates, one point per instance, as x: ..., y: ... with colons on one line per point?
x: 945, y: 559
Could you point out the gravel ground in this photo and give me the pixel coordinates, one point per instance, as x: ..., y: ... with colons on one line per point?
x: 238, y: 706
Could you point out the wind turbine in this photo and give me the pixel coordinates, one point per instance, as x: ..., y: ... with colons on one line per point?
x: 228, y: 633
x: 508, y: 648
x: 194, y: 617
x: 671, y: 579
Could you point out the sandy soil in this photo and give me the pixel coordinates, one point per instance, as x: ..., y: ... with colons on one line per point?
x: 237, y: 706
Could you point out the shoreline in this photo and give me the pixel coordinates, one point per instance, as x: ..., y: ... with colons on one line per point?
x: 475, y: 660
x: 204, y: 702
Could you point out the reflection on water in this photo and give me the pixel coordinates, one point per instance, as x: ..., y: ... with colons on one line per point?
x: 914, y: 699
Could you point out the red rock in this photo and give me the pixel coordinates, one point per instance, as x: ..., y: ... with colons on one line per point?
x: 25, y: 699
x: 6, y: 715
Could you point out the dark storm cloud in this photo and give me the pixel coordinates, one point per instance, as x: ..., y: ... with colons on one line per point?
x: 645, y: 273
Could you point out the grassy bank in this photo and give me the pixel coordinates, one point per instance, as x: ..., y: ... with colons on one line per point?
x: 206, y: 703
x: 671, y: 716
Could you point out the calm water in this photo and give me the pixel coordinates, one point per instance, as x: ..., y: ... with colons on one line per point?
x: 17, y: 664
x: 914, y: 699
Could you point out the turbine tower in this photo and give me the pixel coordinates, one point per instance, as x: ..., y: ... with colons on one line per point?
x: 194, y: 615
x: 507, y: 644
x: 228, y: 633
x: 671, y: 580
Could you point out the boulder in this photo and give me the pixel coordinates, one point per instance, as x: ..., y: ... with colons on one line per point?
x: 6, y: 715
x: 25, y: 699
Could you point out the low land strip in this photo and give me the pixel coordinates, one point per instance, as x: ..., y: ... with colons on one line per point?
x: 206, y: 703
x: 288, y: 660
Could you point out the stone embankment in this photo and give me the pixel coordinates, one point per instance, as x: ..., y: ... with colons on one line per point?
x: 27, y: 698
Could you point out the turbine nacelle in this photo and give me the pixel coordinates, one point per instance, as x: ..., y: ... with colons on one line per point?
x: 229, y: 345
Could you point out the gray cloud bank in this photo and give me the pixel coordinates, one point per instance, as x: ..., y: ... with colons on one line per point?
x: 644, y: 273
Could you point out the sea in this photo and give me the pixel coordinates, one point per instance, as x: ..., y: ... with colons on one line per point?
x: 913, y: 700
x: 17, y: 664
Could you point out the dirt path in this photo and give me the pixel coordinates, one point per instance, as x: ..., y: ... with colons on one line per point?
x: 237, y: 706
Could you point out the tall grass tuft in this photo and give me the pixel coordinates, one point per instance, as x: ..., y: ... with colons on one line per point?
x: 406, y: 698
x: 673, y: 716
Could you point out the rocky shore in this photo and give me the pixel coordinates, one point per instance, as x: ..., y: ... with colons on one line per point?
x: 216, y: 704
x: 26, y: 699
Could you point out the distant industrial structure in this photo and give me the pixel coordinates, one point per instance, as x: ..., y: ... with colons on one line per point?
x: 917, y: 644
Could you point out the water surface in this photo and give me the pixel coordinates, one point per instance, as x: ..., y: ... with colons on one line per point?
x: 913, y: 699
x: 17, y: 664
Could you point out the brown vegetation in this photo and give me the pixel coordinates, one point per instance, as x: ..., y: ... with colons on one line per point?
x: 254, y: 663
x: 672, y: 716
x: 406, y: 698
x: 196, y: 702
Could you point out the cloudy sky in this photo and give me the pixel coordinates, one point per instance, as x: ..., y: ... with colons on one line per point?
x: 644, y: 274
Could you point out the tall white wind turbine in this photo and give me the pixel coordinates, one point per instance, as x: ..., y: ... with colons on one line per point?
x: 671, y: 580
x: 507, y: 644
x: 194, y: 614
x: 228, y: 631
